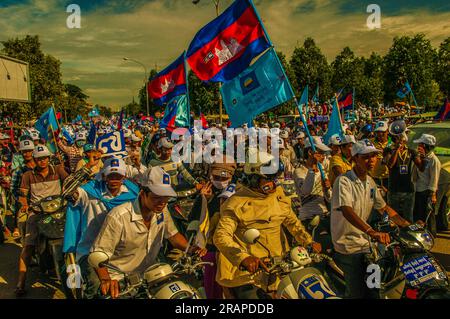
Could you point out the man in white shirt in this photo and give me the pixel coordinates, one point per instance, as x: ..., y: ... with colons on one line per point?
x: 133, y: 233
x: 426, y: 181
x: 314, y: 192
x: 355, y: 193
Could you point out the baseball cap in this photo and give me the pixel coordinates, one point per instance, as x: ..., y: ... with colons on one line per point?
x: 80, y: 136
x: 348, y: 139
x: 135, y: 138
x: 4, y: 136
x: 126, y: 133
x: 364, y: 146
x: 114, y: 165
x: 277, y: 125
x: 281, y: 143
x: 284, y: 134
x: 225, y: 169
x: 427, y: 139
x: 26, y: 145
x: 335, y: 139
x: 158, y: 181
x: 318, y: 143
x: 381, y: 126
x: 34, y: 136
x: 41, y: 151
x: 300, y: 135
x: 228, y: 192
x: 164, y: 142
x: 88, y: 148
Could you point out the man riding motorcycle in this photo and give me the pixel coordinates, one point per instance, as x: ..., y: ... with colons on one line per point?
x: 133, y: 233
x: 262, y: 205
x: 43, y: 181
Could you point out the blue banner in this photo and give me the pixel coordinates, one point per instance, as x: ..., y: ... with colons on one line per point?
x: 259, y: 88
x: 335, y: 125
x: 112, y: 143
x: 404, y: 91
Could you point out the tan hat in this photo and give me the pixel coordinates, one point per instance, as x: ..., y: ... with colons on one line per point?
x: 225, y: 169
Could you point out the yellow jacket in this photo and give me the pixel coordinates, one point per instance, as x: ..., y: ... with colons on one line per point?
x: 248, y: 209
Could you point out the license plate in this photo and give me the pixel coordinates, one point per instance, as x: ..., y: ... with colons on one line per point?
x: 419, y: 270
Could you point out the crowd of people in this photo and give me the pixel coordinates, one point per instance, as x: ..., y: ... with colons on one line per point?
x: 121, y: 209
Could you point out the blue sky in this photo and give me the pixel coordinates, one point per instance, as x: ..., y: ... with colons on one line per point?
x: 155, y: 32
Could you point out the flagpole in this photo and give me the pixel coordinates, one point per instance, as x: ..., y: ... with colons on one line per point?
x: 414, y: 98
x: 353, y: 103
x: 187, y: 89
x: 302, y: 117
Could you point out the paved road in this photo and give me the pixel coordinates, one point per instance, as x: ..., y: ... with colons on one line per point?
x: 45, y: 287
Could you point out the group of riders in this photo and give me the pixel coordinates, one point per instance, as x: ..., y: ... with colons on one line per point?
x: 121, y: 209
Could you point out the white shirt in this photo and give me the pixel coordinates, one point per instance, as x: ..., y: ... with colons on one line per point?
x: 309, y: 188
x: 362, y: 196
x: 134, y: 173
x: 129, y: 244
x: 429, y: 178
x: 95, y: 212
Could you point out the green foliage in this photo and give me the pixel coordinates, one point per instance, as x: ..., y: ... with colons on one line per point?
x: 442, y: 75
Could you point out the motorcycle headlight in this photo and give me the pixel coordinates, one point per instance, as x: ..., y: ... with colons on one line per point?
x: 51, y: 206
x: 288, y: 187
x: 426, y: 239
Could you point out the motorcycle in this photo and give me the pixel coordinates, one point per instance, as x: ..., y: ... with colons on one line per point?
x: 298, y: 276
x: 407, y: 267
x: 51, y: 211
x: 181, y: 206
x: 160, y: 281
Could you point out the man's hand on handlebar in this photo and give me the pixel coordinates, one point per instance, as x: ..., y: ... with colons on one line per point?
x: 198, y: 251
x: 252, y: 264
x: 382, y: 238
x: 107, y: 285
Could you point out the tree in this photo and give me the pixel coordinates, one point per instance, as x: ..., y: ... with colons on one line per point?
x: 74, y: 102
x: 310, y: 66
x: 45, y: 75
x: 204, y: 97
x: 348, y: 71
x: 442, y: 75
x: 370, y: 90
x: 143, y: 97
x: 410, y: 59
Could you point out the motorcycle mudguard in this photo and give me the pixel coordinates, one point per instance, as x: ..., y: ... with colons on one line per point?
x: 175, y: 290
x: 310, y: 284
x: 50, y: 227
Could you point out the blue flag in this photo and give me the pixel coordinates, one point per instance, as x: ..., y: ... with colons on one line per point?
x: 94, y: 112
x: 67, y: 136
x: 47, y: 124
x: 335, y: 125
x: 176, y: 113
x: 404, y: 91
x: 304, y: 97
x: 92, y: 134
x: 259, y: 88
x: 316, y: 95
x: 112, y: 143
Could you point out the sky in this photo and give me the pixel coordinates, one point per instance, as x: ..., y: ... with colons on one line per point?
x: 155, y: 32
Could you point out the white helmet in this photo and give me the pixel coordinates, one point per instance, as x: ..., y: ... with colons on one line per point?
x: 41, y: 151
x: 26, y: 145
x: 34, y: 136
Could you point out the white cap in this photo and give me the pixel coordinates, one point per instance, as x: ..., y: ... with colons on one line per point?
x: 4, y: 136
x: 34, y: 136
x: 114, y: 165
x: 427, y: 139
x: 228, y: 192
x: 364, y: 147
x: 26, y: 145
x: 80, y: 136
x: 284, y: 134
x: 335, y: 139
x: 281, y: 143
x: 164, y: 142
x: 134, y: 138
x: 348, y: 139
x: 41, y: 151
x: 300, y: 135
x: 277, y: 125
x: 381, y: 126
x: 126, y: 133
x: 275, y: 131
x: 318, y: 143
x: 158, y: 181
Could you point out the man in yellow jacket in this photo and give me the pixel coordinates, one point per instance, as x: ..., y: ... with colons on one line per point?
x: 261, y: 205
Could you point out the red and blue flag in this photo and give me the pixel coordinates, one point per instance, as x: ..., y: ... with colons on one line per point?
x: 444, y: 112
x: 346, y: 103
x: 225, y: 47
x: 169, y: 83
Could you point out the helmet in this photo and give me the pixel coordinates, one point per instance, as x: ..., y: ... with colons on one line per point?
x: 262, y: 159
x: 397, y: 127
x: 34, y: 136
x: 41, y: 151
x: 367, y: 129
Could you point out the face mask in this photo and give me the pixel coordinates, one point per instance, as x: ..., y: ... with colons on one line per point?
x: 219, y: 184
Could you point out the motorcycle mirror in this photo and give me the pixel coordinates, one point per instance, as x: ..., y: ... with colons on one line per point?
x: 97, y: 258
x: 315, y: 221
x: 193, y: 226
x: 251, y: 236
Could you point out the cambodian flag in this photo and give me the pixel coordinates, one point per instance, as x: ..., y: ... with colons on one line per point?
x: 225, y: 47
x: 346, y: 103
x: 169, y: 83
